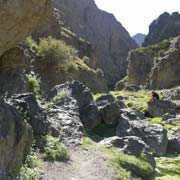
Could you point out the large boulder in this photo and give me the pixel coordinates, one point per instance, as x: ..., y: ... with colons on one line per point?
x: 158, y: 108
x: 31, y: 112
x: 76, y: 89
x: 155, y: 136
x: 65, y: 122
x: 110, y: 39
x: 131, y: 145
x: 109, y: 109
x: 88, y: 112
x: 15, y: 140
x: 132, y: 114
x: 174, y: 141
x: 19, y: 19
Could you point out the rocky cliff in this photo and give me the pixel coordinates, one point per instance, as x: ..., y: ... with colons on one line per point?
x: 165, y: 26
x: 18, y: 19
x: 156, y: 66
x: 110, y: 39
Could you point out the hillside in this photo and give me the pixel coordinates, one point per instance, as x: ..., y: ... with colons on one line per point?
x: 139, y: 38
x: 108, y: 37
x: 59, y: 120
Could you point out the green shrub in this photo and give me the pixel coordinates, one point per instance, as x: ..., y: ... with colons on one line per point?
x: 55, y: 52
x: 54, y: 150
x: 99, y: 72
x: 31, y: 44
x: 34, y: 82
x: 31, y: 168
x: 60, y: 97
x: 86, y: 59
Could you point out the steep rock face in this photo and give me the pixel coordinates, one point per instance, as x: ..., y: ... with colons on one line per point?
x: 166, y: 73
x: 140, y: 64
x: 155, y: 66
x: 18, y: 19
x: 165, y: 26
x: 15, y: 140
x: 111, y: 41
x: 139, y: 38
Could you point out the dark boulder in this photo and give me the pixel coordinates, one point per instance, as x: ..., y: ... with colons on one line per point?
x: 90, y: 116
x: 65, y: 122
x: 174, y: 141
x: 109, y: 109
x: 155, y: 136
x: 76, y: 89
x: 31, y: 112
x: 158, y: 108
x: 15, y: 140
x: 132, y: 114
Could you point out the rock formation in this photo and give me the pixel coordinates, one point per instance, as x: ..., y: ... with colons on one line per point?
x: 111, y: 41
x: 164, y: 27
x: 19, y: 19
x: 156, y: 66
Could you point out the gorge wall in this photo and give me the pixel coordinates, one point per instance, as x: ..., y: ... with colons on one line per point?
x: 108, y: 37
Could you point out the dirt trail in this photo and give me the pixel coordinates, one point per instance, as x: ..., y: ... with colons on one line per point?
x: 84, y: 164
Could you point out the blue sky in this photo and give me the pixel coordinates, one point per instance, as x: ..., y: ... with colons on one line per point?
x: 136, y: 15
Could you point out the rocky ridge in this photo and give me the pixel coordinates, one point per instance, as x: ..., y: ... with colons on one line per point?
x: 165, y: 26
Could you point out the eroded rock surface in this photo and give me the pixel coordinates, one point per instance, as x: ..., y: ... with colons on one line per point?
x: 19, y: 19
x: 15, y: 140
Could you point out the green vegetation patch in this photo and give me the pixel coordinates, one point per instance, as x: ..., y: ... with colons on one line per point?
x: 155, y: 50
x: 168, y: 168
x: 31, y: 168
x: 55, y: 150
x: 34, y: 83
x: 136, y: 100
x: 126, y: 166
x: 60, y: 97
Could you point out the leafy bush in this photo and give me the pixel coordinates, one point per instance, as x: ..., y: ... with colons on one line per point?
x: 54, y: 150
x: 55, y: 52
x: 86, y: 59
x: 34, y: 85
x: 61, y: 96
x: 99, y: 72
x: 31, y: 168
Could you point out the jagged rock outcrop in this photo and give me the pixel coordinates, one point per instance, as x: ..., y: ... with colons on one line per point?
x: 31, y: 112
x: 19, y: 18
x: 86, y: 109
x: 13, y: 65
x: 154, y: 135
x: 165, y: 74
x: 15, y: 140
x: 139, y: 66
x: 111, y: 41
x: 154, y: 67
x: 139, y: 38
x: 165, y: 26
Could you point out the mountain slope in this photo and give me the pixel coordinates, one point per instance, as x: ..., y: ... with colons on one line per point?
x: 109, y: 38
x: 139, y: 38
x: 164, y: 27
